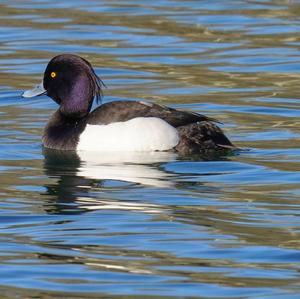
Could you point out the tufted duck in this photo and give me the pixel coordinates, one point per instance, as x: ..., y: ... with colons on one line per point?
x: 117, y: 126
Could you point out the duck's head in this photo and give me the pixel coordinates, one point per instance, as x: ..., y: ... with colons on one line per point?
x: 72, y: 83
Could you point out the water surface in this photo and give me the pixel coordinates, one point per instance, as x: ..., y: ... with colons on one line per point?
x: 159, y: 225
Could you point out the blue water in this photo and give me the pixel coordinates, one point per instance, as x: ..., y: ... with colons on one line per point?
x: 158, y: 225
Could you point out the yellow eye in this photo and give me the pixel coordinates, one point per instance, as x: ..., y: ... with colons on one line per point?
x: 53, y: 75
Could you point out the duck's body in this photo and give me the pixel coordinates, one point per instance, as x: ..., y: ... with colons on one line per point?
x: 117, y: 126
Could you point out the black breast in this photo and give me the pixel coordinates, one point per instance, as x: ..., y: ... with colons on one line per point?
x: 63, y: 133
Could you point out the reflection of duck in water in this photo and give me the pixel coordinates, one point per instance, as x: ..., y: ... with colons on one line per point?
x: 140, y: 168
x: 78, y: 173
x: 118, y: 126
x: 64, y: 186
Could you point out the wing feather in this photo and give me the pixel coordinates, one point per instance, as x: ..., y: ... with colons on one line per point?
x: 122, y: 111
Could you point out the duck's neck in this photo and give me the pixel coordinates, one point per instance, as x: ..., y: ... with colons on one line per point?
x: 62, y: 133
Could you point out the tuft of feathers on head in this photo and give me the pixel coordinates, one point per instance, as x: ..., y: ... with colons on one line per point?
x: 97, y: 83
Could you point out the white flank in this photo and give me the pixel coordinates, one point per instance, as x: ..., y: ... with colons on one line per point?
x: 137, y: 134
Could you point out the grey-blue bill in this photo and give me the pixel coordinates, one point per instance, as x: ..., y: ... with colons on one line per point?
x: 36, y: 91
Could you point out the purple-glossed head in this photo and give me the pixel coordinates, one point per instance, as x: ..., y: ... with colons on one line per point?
x: 72, y: 83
